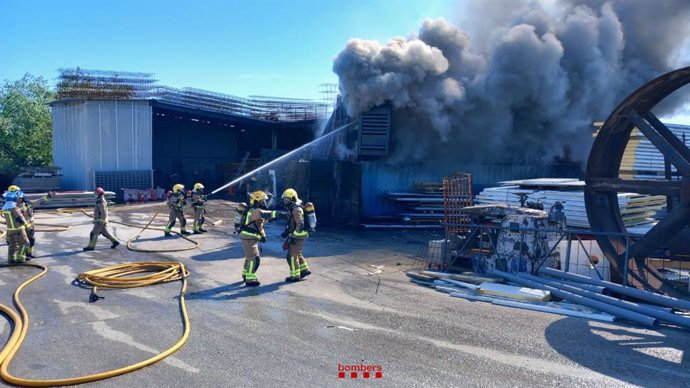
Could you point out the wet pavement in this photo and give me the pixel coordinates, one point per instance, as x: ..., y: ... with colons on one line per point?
x: 301, y: 334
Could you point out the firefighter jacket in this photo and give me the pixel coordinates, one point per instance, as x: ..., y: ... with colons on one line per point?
x: 253, y: 220
x: 177, y: 201
x: 100, y: 211
x: 295, y: 223
x: 27, y: 209
x: 13, y: 218
x: 198, y: 200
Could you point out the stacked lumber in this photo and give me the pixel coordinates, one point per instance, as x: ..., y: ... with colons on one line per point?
x: 230, y: 169
x: 71, y: 199
x: 38, y: 179
x: 642, y: 160
x: 423, y: 208
x: 636, y: 209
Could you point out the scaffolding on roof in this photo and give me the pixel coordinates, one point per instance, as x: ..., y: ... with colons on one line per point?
x: 100, y: 84
x: 104, y: 84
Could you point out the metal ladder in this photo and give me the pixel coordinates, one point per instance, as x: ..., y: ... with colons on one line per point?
x: 240, y: 169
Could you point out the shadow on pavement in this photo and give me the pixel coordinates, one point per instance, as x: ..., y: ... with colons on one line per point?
x: 628, y: 353
x: 234, y: 291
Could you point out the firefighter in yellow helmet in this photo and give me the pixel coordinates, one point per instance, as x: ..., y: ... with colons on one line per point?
x: 100, y: 222
x: 17, y: 240
x: 176, y: 203
x: 252, y: 232
x: 199, y: 206
x: 27, y: 208
x: 296, y: 233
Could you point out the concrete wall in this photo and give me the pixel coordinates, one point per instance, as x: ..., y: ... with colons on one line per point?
x: 100, y: 135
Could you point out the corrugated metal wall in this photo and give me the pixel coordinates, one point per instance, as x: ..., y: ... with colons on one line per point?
x: 378, y: 178
x: 100, y: 135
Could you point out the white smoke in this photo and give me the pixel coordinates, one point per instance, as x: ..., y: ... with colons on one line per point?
x: 527, y: 78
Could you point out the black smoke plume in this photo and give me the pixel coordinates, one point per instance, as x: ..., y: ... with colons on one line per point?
x: 525, y: 80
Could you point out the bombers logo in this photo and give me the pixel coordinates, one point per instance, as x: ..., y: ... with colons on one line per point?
x: 360, y: 371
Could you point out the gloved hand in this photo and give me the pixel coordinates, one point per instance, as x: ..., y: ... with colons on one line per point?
x: 263, y: 239
x: 284, y: 234
x: 51, y: 194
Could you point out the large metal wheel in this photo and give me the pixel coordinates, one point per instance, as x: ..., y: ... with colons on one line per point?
x: 670, y: 238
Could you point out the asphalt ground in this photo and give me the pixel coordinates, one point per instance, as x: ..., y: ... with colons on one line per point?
x: 301, y: 334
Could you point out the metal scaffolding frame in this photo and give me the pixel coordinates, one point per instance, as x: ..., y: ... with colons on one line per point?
x: 102, y: 84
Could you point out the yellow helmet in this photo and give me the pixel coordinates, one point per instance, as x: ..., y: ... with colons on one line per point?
x: 290, y: 194
x: 198, y: 186
x: 178, y: 187
x: 256, y: 198
x: 13, y: 188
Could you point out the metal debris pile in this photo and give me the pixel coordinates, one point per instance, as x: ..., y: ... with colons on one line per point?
x: 636, y: 209
x: 562, y: 293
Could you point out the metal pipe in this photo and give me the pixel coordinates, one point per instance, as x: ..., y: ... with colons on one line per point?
x: 588, y: 287
x: 554, y: 310
x: 629, y: 291
x: 567, y: 253
x: 632, y: 316
x: 652, y: 312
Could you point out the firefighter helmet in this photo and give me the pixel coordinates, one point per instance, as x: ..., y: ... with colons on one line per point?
x: 290, y: 194
x: 198, y: 187
x: 13, y: 188
x: 99, y: 191
x: 257, y: 198
x: 178, y: 188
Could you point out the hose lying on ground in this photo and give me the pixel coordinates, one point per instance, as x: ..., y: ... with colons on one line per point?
x: 136, y: 236
x: 118, y: 276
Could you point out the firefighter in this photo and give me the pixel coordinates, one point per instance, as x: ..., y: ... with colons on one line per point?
x: 199, y: 203
x: 252, y: 232
x: 27, y: 209
x: 296, y: 233
x: 100, y: 222
x: 17, y: 240
x: 176, y: 203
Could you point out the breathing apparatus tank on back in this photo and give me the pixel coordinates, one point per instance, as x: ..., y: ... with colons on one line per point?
x: 310, y: 217
x: 241, y: 209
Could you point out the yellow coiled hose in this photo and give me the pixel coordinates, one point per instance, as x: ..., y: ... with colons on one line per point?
x: 118, y: 276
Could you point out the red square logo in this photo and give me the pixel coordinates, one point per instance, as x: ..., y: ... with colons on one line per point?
x: 366, y: 375
x: 353, y: 375
x: 341, y: 375
x: 378, y: 375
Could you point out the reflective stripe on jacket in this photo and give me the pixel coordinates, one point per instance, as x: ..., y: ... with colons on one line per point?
x: 14, y: 219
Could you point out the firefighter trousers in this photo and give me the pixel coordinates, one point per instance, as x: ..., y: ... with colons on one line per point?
x: 295, y: 258
x: 179, y: 215
x: 199, y: 219
x: 100, y: 229
x: 252, y: 261
x: 17, y: 242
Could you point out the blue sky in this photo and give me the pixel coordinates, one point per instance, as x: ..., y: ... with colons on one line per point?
x: 262, y: 47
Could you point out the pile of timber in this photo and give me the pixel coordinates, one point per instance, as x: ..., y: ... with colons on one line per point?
x: 230, y: 170
x: 562, y: 293
x: 422, y: 208
x: 71, y: 199
x: 642, y: 160
x: 636, y: 209
x: 38, y: 179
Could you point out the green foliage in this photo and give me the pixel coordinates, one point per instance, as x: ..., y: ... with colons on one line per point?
x: 25, y: 124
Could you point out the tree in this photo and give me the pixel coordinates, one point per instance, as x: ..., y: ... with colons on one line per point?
x: 25, y: 124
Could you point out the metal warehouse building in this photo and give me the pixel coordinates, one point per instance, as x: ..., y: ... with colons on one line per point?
x: 120, y: 130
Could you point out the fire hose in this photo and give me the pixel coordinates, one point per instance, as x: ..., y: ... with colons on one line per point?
x: 118, y: 276
x: 136, y: 236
